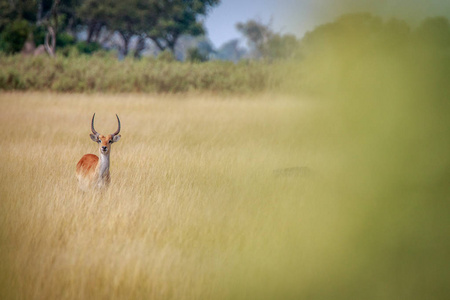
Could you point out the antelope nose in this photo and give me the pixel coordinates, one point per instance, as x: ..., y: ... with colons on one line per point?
x: 104, y: 148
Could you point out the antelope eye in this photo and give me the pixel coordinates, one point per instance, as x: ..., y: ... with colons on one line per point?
x: 110, y: 141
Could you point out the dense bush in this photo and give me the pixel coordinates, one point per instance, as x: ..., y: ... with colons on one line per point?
x: 195, y: 55
x: 64, y: 40
x: 97, y: 73
x: 87, y: 48
x: 14, y: 36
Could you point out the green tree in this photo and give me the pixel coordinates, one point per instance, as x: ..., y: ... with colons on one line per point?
x: 14, y: 36
x: 126, y: 18
x: 196, y: 55
x: 161, y: 21
x: 176, y: 18
x: 129, y: 20
x: 41, y: 16
x: 257, y: 35
x: 281, y: 46
x: 95, y: 15
x: 265, y: 43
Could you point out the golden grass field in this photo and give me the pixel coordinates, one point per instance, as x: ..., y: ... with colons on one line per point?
x: 195, y: 209
x: 211, y: 197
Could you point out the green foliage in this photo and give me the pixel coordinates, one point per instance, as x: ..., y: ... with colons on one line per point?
x: 14, y: 36
x: 162, y: 21
x: 176, y: 18
x: 39, y: 33
x: 11, y: 11
x: 257, y: 35
x: 100, y: 73
x: 281, y: 46
x: 87, y: 48
x: 11, y: 80
x: 64, y: 40
x: 385, y: 88
x: 265, y: 43
x: 195, y: 55
x: 7, y: 14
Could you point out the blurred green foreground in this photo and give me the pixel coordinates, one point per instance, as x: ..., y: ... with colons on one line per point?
x: 389, y: 132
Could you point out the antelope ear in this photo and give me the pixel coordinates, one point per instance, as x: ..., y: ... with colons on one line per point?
x: 116, y: 138
x: 94, y: 137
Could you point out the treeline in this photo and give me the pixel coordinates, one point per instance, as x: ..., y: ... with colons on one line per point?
x: 358, y: 54
x: 130, y: 28
x: 57, y: 23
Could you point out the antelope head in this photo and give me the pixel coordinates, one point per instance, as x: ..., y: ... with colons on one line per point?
x: 103, y: 141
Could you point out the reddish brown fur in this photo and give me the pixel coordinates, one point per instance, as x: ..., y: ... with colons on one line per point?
x: 105, y: 140
x: 93, y: 171
x: 87, y: 165
x: 87, y: 168
x: 88, y: 162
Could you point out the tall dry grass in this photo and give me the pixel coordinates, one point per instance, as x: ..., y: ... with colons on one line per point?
x: 198, y: 208
x: 238, y: 197
x: 226, y: 197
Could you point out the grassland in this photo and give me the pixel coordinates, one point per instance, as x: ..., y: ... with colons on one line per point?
x: 195, y: 209
x: 221, y: 197
x: 227, y: 183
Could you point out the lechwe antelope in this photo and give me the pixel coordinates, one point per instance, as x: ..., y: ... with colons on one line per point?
x: 92, y: 171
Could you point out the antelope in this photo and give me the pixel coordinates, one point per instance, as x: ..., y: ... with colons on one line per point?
x: 92, y: 171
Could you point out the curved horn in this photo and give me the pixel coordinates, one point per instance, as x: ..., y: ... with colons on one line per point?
x: 118, y: 129
x: 92, y: 126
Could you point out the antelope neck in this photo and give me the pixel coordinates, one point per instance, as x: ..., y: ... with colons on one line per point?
x: 103, y: 165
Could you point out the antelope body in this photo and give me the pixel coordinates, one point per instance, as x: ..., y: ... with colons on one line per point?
x: 92, y: 170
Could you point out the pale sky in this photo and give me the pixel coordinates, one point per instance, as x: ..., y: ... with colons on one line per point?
x: 221, y: 21
x: 300, y: 16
